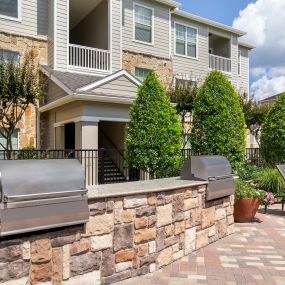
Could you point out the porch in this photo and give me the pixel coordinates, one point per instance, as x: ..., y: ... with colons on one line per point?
x: 220, y: 53
x: 89, y: 36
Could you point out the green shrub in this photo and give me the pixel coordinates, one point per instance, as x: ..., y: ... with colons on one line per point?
x: 245, y: 170
x: 245, y: 190
x: 270, y: 180
x: 273, y: 134
x: 218, y: 120
x: 154, y: 132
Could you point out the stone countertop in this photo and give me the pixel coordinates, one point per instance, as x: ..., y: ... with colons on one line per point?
x: 140, y: 187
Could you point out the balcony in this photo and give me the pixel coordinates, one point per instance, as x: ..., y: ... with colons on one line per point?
x: 221, y: 63
x: 89, y: 59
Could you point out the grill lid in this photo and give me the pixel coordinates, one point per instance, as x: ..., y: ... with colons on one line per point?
x: 41, y: 194
x: 206, y: 168
x: 34, y: 179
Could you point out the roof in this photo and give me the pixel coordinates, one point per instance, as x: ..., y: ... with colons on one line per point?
x: 270, y: 98
x: 82, y: 86
x: 72, y: 81
x: 247, y: 45
x: 170, y: 3
x: 208, y: 22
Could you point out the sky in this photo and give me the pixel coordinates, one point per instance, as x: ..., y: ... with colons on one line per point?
x: 264, y: 22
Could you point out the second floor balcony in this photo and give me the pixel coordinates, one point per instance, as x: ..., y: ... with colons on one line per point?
x: 221, y: 63
x: 220, y: 53
x: 89, y: 36
x: 89, y: 59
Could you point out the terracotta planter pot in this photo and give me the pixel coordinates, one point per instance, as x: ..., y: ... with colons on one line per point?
x: 245, y: 209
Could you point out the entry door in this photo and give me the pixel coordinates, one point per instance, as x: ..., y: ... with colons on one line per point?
x: 69, y: 136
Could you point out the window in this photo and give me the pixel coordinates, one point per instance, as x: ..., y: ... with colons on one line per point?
x: 143, y: 24
x: 15, y: 140
x: 10, y: 9
x: 141, y: 73
x: 186, y: 41
x: 185, y: 83
x: 239, y: 62
x: 7, y: 55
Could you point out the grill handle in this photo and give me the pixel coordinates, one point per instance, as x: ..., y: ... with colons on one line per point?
x: 30, y: 197
x: 214, y: 178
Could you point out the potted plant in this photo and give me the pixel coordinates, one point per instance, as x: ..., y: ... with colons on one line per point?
x: 247, y: 201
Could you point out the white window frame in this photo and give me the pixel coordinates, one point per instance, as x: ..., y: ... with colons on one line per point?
x: 239, y: 62
x: 134, y: 24
x: 19, y: 18
x: 197, y: 43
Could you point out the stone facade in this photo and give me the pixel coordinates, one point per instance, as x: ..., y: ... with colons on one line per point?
x: 161, y: 66
x: 125, y: 237
x: 16, y: 43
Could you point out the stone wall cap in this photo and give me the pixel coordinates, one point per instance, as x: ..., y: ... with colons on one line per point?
x: 140, y: 187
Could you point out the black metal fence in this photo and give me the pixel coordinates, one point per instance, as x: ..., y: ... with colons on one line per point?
x: 103, y: 166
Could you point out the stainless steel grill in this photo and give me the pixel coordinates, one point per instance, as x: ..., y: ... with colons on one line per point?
x: 214, y: 169
x: 41, y: 194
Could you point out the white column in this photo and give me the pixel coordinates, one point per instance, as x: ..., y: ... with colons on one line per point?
x: 89, y: 141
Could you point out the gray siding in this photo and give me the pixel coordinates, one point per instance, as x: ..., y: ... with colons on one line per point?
x: 119, y: 87
x: 243, y: 77
x: 116, y: 44
x: 196, y: 68
x: 234, y: 57
x: 61, y: 34
x: 54, y: 92
x: 160, y: 48
x: 34, y: 21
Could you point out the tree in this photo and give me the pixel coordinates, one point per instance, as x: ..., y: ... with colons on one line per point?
x: 20, y: 87
x: 153, y: 140
x: 272, y: 139
x: 254, y: 114
x: 218, y: 120
x: 183, y: 95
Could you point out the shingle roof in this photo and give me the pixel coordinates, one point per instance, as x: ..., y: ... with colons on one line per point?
x: 72, y: 81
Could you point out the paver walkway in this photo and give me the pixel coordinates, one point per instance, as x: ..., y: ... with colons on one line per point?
x: 255, y: 254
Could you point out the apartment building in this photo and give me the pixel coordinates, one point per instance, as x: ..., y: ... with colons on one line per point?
x: 95, y: 54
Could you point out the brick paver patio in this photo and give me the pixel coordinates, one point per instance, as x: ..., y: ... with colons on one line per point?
x: 255, y: 254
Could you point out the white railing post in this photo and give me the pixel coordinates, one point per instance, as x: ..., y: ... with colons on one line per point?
x: 88, y: 58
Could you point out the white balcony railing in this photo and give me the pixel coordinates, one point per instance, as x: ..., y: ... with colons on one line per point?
x: 220, y: 63
x: 88, y: 58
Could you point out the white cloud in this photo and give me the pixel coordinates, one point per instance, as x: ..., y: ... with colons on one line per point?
x: 264, y: 21
x: 268, y: 86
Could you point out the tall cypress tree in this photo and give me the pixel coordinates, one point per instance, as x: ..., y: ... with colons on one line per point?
x: 218, y: 120
x: 154, y: 132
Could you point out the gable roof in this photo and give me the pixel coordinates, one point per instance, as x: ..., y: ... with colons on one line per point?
x: 110, y: 78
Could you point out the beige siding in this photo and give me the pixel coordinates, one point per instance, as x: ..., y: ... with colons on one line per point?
x: 61, y: 34
x: 196, y: 68
x: 116, y: 44
x: 160, y: 48
x: 34, y: 21
x: 234, y: 57
x: 119, y: 87
x: 243, y: 77
x: 51, y: 33
x: 54, y: 93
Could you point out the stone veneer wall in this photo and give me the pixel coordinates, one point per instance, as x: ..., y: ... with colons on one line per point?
x: 17, y: 43
x: 125, y: 237
x: 161, y: 66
